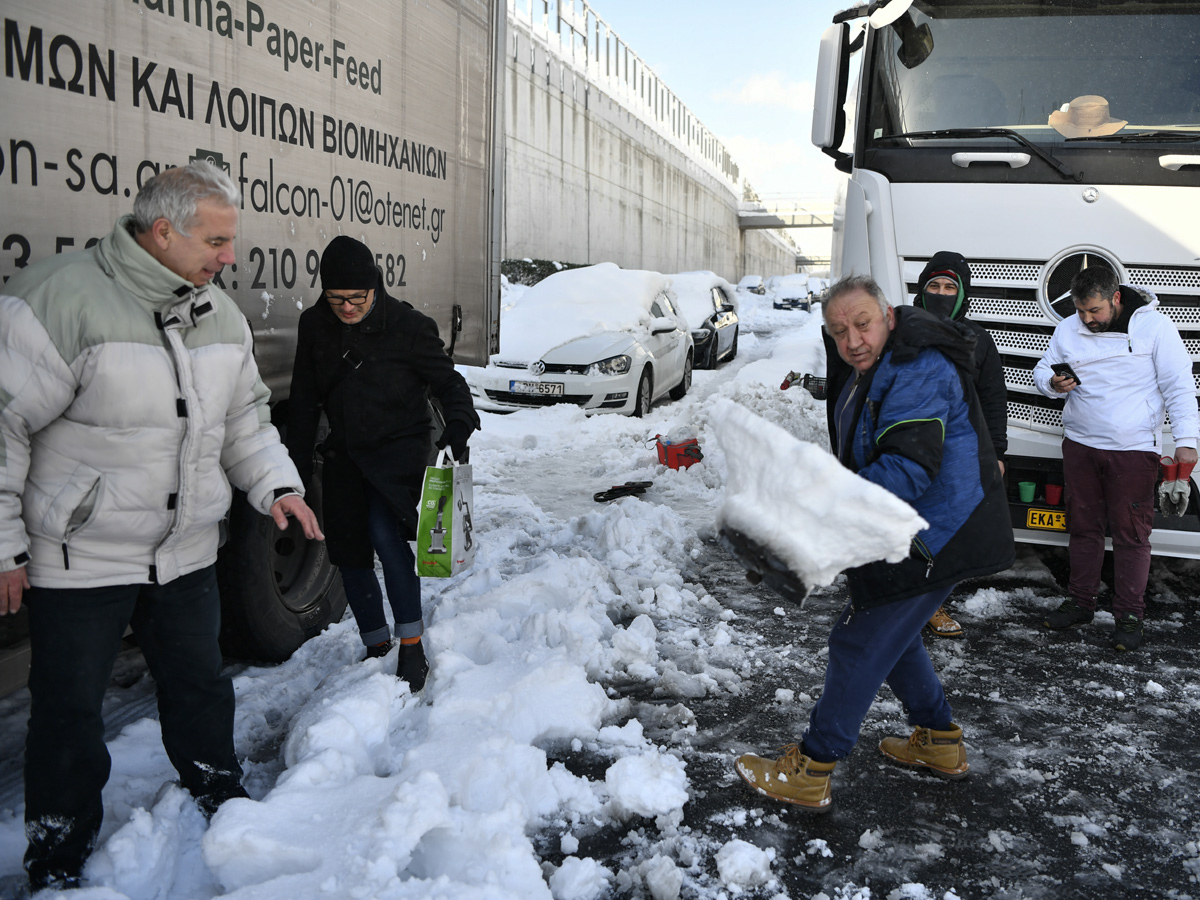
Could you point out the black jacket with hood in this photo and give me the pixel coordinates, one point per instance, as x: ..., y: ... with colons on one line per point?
x: 373, y: 380
x: 989, y: 373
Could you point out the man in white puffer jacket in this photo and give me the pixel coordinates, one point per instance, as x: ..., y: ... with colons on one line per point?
x: 129, y: 403
x: 1130, y: 368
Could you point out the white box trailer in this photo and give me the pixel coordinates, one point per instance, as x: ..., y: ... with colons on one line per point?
x: 377, y: 119
x: 1035, y: 137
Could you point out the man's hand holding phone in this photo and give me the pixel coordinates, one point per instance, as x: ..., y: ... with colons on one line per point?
x: 1064, y: 379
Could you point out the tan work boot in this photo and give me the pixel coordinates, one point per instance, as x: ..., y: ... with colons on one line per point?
x: 793, y: 778
x: 943, y: 626
x: 941, y: 752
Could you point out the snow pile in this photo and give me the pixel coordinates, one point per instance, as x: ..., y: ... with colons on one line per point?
x: 652, y: 784
x: 579, y: 879
x: 743, y: 865
x: 798, y: 500
x: 576, y: 303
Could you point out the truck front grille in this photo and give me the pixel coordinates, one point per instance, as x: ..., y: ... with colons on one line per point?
x: 1004, y: 299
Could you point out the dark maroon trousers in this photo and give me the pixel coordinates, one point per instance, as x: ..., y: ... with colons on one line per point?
x: 1113, y: 488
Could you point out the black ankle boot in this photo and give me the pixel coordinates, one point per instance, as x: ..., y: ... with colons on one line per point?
x: 412, y: 666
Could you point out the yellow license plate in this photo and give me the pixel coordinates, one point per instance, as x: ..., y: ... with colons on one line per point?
x: 1048, y: 519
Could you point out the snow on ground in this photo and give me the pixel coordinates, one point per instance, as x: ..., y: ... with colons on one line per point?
x: 563, y: 667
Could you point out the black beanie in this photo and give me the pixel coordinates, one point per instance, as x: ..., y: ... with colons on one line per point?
x: 347, y: 265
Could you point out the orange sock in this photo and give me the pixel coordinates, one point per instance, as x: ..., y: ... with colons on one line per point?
x: 410, y: 641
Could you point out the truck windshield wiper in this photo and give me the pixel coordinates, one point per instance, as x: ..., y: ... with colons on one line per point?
x: 1062, y: 168
x: 1174, y: 134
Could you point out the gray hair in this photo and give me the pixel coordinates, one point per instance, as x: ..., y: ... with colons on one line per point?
x: 174, y: 194
x: 848, y: 285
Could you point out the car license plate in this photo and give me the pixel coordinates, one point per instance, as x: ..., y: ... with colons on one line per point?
x: 554, y: 389
x: 1047, y: 519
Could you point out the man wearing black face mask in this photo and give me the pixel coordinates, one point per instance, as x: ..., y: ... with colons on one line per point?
x: 944, y: 289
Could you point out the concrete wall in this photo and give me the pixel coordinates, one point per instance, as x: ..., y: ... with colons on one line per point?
x: 587, y: 180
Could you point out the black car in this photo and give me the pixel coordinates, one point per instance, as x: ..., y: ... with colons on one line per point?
x: 707, y: 302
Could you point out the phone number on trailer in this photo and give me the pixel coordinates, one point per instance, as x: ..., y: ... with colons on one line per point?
x: 269, y: 268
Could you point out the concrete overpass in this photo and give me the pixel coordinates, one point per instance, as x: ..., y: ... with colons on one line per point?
x: 785, y: 214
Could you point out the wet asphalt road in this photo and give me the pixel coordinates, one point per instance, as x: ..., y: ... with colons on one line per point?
x: 1085, y: 767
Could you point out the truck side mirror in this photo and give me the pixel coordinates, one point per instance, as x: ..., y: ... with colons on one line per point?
x: 829, y: 96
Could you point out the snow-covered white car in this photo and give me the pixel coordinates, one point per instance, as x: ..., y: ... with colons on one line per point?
x: 603, y: 338
x: 792, y: 292
x: 709, y: 304
x: 752, y: 284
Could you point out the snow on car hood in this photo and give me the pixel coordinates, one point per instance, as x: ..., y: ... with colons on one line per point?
x: 590, y: 348
x: 578, y: 303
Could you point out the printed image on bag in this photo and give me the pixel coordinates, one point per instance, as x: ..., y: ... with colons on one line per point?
x: 445, y: 544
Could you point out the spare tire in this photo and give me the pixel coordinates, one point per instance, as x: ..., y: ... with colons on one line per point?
x: 278, y: 589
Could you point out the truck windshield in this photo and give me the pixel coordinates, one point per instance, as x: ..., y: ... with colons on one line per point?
x: 1051, y: 70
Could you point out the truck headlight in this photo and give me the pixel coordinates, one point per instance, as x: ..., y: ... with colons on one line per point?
x: 614, y: 365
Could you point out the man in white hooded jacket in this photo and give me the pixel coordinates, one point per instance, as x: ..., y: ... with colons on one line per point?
x: 1128, y: 368
x: 130, y: 402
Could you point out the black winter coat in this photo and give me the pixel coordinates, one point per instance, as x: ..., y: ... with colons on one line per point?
x: 989, y: 371
x: 372, y: 379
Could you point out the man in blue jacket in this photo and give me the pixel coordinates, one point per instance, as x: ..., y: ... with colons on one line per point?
x: 903, y: 415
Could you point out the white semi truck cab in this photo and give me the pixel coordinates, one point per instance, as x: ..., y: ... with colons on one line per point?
x: 1036, y: 138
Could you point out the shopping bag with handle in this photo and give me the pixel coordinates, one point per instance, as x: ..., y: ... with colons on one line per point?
x: 445, y: 543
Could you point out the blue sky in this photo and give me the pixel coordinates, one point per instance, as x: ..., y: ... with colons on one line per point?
x: 746, y: 69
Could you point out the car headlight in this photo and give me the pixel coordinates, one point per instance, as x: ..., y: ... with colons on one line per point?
x: 614, y: 365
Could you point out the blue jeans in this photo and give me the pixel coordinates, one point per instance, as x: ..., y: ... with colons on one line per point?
x: 75, y: 635
x: 867, y: 648
x: 399, y: 574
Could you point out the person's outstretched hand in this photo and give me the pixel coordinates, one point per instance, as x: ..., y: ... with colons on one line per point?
x: 294, y: 505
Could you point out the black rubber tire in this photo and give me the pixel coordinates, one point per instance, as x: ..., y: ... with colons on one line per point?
x: 645, y: 394
x: 278, y: 589
x: 685, y: 383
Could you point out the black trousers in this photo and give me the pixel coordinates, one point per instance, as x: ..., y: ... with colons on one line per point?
x: 75, y: 635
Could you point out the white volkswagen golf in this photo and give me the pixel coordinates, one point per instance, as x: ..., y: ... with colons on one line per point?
x: 603, y: 338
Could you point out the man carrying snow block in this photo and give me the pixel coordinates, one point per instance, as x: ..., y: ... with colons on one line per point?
x: 903, y: 415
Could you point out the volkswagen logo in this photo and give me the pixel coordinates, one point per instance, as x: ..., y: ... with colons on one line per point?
x: 537, y: 368
x: 1054, y: 289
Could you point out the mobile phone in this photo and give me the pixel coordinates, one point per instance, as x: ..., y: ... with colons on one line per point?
x: 1065, y: 369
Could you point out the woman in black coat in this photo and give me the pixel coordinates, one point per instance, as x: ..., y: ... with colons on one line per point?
x: 370, y: 362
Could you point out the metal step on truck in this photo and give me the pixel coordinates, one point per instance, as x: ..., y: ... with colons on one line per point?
x: 1036, y: 138
x: 377, y: 119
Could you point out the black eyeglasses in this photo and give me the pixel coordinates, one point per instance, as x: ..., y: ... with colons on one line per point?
x: 355, y: 299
